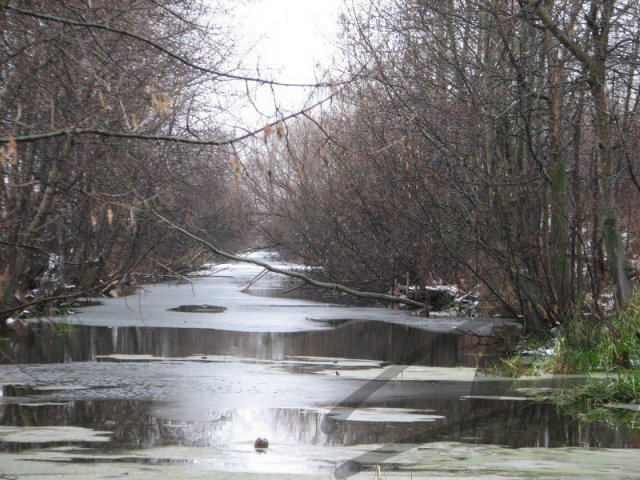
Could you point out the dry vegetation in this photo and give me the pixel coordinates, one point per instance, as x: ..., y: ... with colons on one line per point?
x: 490, y: 144
x: 85, y: 87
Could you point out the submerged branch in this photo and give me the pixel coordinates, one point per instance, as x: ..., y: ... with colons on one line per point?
x: 68, y: 296
x: 64, y: 296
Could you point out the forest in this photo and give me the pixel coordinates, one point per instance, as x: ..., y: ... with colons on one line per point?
x: 487, y: 144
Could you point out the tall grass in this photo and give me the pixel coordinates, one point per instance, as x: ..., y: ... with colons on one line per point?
x: 586, y: 346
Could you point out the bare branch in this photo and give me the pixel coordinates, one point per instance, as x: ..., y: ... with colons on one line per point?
x: 289, y: 273
x: 162, y: 138
x: 166, y: 51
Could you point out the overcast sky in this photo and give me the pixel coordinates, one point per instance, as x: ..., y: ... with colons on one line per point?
x: 290, y: 40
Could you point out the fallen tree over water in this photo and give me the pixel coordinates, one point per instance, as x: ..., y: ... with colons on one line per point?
x: 290, y: 273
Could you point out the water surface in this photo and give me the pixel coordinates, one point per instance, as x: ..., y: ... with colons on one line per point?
x: 130, y: 387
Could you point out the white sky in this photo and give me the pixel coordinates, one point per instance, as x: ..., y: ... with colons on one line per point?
x: 290, y: 41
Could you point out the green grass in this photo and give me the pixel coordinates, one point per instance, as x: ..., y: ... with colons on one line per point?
x: 623, y: 387
x: 62, y: 329
x: 586, y: 346
x: 591, y: 346
x: 589, y: 401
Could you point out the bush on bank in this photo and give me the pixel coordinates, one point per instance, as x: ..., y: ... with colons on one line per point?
x: 607, y: 352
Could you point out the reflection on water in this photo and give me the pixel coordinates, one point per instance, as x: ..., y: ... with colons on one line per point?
x: 352, y: 339
x: 140, y: 424
x: 60, y: 380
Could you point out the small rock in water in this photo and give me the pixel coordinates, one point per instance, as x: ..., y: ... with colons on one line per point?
x: 261, y: 443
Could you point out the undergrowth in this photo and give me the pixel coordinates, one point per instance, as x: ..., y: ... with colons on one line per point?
x: 62, y: 329
x: 609, y: 349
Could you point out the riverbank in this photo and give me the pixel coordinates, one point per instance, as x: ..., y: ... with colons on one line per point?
x: 606, y: 352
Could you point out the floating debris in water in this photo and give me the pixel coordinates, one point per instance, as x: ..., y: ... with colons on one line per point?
x: 199, y: 309
x: 261, y: 444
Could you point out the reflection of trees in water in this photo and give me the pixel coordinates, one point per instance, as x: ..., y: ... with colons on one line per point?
x: 515, y: 424
x: 355, y: 339
x: 520, y: 424
x: 129, y: 421
x: 509, y: 423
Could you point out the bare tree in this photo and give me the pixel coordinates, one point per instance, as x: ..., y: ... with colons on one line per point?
x: 477, y: 139
x: 71, y: 197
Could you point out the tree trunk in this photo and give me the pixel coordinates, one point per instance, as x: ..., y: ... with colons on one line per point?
x: 595, y: 64
x: 616, y: 255
x: 558, y: 238
x: 14, y: 276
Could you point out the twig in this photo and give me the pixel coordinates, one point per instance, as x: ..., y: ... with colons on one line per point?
x: 254, y: 280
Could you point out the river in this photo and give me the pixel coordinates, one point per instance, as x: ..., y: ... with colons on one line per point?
x: 133, y: 389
